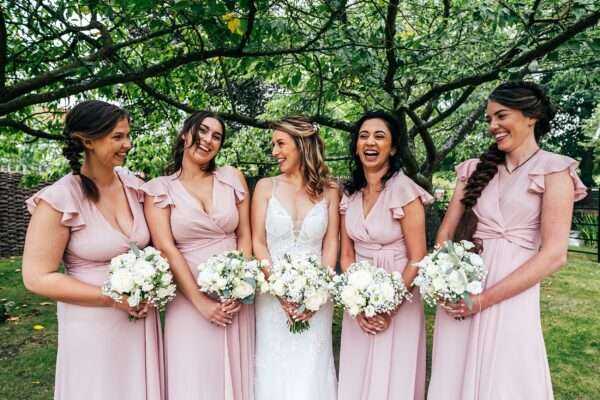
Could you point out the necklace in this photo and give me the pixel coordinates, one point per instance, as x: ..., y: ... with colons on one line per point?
x: 523, y: 163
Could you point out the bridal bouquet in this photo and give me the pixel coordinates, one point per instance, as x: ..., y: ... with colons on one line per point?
x: 450, y: 273
x: 143, y: 276
x: 368, y: 289
x: 303, y: 281
x: 231, y: 276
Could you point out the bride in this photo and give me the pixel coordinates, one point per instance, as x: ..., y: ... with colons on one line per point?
x: 295, y: 212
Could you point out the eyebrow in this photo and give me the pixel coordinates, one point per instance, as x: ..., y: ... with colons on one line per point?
x: 377, y: 131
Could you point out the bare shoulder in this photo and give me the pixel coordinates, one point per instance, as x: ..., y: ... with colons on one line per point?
x: 263, y: 187
x: 332, y: 191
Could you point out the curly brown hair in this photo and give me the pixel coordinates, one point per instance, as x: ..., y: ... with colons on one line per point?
x: 530, y: 99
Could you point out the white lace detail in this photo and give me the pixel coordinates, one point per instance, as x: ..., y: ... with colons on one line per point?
x: 293, y: 366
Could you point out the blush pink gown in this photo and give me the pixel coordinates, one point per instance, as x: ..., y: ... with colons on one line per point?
x: 499, y: 354
x: 101, y: 354
x: 204, y: 361
x: 389, y: 365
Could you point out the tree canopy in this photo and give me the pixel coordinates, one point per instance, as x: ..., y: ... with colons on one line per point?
x: 430, y: 62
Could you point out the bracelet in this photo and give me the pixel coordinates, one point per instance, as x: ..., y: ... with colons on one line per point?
x: 479, y: 301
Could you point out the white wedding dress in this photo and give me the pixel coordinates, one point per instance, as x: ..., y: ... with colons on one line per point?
x: 293, y: 366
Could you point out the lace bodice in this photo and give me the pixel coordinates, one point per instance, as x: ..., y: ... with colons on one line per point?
x: 283, y: 236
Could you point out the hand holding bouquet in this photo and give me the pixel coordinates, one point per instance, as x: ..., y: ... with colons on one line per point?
x: 229, y: 276
x: 452, y: 272
x: 302, y: 281
x: 370, y: 290
x: 143, y: 276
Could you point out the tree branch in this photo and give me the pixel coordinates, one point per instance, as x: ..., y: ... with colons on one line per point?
x: 249, y: 26
x: 430, y: 149
x: 19, y: 126
x: 463, y: 130
x: 390, y: 51
x: 3, y: 49
x: 544, y: 48
x: 410, y: 163
x: 534, y: 8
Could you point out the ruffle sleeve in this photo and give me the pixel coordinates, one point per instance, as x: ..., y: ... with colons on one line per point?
x: 550, y: 163
x: 465, y: 169
x: 158, y: 189
x: 343, y: 207
x: 230, y: 177
x: 403, y: 191
x: 64, y: 198
x: 132, y: 183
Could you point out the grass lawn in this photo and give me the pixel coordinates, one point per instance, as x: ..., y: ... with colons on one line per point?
x: 569, y: 313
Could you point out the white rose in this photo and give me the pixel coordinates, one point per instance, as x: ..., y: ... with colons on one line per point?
x: 457, y: 282
x: 149, y: 250
x: 360, y: 279
x: 122, y: 260
x: 354, y: 310
x: 166, y: 292
x: 467, y: 245
x: 121, y: 281
x: 351, y: 297
x: 314, y: 302
x: 299, y: 284
x: 476, y: 259
x: 147, y: 286
x: 459, y: 250
x: 370, y: 311
x: 474, y: 287
x: 444, y: 267
x: 387, y: 291
x: 439, y: 283
x: 242, y: 290
x: 205, y: 277
x: 278, y: 288
x: 135, y: 299
x: 220, y: 283
x: 166, y: 278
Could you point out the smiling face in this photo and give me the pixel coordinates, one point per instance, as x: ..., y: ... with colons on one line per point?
x: 285, y: 151
x: 110, y: 150
x: 374, y: 144
x: 208, y: 143
x: 509, y: 127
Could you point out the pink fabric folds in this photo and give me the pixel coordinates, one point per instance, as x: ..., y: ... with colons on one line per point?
x: 101, y: 354
x: 390, y: 365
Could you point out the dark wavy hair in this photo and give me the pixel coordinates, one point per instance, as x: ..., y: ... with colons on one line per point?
x: 530, y: 99
x: 357, y: 179
x: 92, y: 119
x: 193, y: 126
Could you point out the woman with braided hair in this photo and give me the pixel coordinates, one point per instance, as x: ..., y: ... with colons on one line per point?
x: 516, y: 202
x: 86, y: 218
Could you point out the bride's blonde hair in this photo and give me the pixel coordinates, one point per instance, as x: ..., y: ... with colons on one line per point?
x: 312, y: 161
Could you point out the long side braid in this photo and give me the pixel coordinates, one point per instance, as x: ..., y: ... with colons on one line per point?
x: 484, y: 172
x: 73, y: 151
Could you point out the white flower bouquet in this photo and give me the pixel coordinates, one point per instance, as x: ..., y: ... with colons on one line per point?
x: 144, y: 276
x: 231, y: 276
x: 303, y: 281
x: 370, y: 290
x: 452, y: 272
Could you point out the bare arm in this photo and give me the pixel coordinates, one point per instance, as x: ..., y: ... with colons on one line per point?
x: 413, y: 224
x: 243, y: 232
x: 347, y: 254
x: 557, y: 210
x: 159, y: 223
x: 259, y: 211
x: 45, y: 244
x: 331, y: 239
x: 453, y: 215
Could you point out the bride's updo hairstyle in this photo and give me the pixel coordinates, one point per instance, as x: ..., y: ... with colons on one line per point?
x: 530, y: 99
x: 305, y: 134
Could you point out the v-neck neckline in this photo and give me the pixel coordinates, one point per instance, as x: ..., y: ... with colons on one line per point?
x: 195, y: 201
x: 128, y: 199
x: 375, y: 204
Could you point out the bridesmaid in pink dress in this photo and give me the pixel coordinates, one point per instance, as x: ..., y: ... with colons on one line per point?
x: 196, y: 212
x: 86, y: 218
x: 382, y: 358
x: 515, y: 199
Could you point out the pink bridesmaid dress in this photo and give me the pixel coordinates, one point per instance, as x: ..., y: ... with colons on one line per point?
x: 499, y: 353
x: 101, y: 354
x: 389, y: 365
x: 204, y: 361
